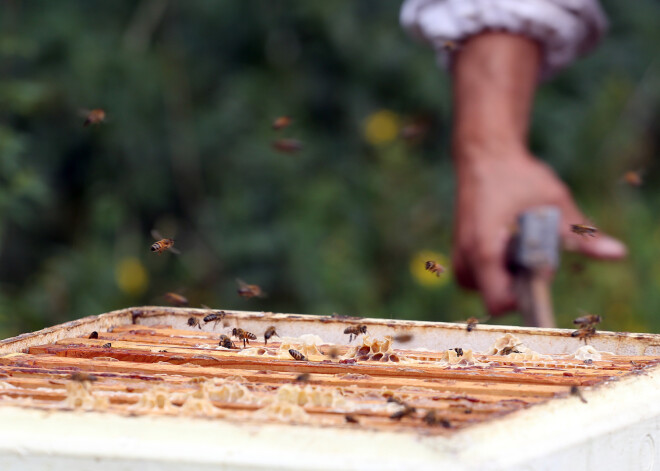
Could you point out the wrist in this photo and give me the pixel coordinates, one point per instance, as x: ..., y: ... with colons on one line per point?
x: 468, y: 151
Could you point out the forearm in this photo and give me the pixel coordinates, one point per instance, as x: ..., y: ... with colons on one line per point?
x: 494, y: 80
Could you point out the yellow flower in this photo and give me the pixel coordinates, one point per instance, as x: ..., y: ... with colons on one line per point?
x: 422, y: 275
x: 381, y: 127
x: 131, y: 276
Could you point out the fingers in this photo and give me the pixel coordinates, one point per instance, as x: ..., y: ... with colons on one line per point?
x: 483, y: 267
x: 495, y: 285
x: 463, y: 274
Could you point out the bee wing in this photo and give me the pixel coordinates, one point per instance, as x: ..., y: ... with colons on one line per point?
x: 204, y: 306
x: 241, y: 284
x: 156, y: 235
x: 582, y: 321
x: 175, y: 251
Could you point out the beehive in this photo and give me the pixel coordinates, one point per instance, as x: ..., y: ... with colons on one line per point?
x: 163, y: 390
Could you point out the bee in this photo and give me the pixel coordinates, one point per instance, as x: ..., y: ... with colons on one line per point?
x: 588, y: 320
x: 434, y: 267
x: 450, y: 46
x: 297, y: 355
x: 193, y: 321
x: 432, y: 419
x: 243, y: 335
x: 350, y: 419
x: 355, y: 330
x: 405, y: 411
x: 215, y: 316
x: 584, y: 333
x: 94, y: 335
x: 633, y: 178
x: 162, y: 244
x: 587, y: 324
x: 403, y: 338
x: 415, y: 131
x: 270, y: 331
x: 509, y: 350
x: 107, y: 345
x: 249, y: 291
x: 576, y: 268
x: 584, y: 230
x: 459, y: 351
x: 288, y: 146
x: 303, y: 377
x: 575, y: 391
x: 95, y: 116
x: 472, y: 323
x: 82, y: 377
x: 333, y: 352
x: 281, y: 122
x: 395, y: 400
x: 226, y: 342
x: 176, y: 299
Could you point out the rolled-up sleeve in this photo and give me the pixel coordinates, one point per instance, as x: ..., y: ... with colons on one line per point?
x: 565, y: 29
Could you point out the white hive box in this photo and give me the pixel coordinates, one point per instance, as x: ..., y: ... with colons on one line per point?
x: 164, y: 395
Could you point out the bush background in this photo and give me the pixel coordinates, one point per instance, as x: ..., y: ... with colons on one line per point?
x: 191, y: 89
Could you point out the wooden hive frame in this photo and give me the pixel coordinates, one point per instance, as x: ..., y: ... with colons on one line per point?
x: 160, y: 368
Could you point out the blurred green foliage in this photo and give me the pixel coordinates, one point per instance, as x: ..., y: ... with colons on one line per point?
x: 191, y: 89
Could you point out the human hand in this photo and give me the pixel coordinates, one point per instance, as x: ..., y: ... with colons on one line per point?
x: 494, y: 187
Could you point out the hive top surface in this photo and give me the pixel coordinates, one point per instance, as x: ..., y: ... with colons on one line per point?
x: 404, y: 378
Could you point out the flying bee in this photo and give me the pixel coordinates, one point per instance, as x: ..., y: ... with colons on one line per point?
x: 405, y: 411
x: 297, y: 355
x: 249, y: 291
x: 94, y: 116
x: 587, y: 324
x: 176, y: 299
x: 226, y: 342
x: 459, y: 351
x: 288, y: 146
x: 162, y: 244
x: 243, y: 335
x: 471, y: 323
x: 282, y: 122
x: 633, y: 178
x: 193, y: 321
x: 416, y: 130
x: 584, y: 230
x: 403, y: 338
x: 575, y: 391
x: 303, y: 377
x: 270, y: 331
x: 588, y: 320
x: 434, y: 267
x: 94, y: 335
x: 450, y: 46
x: 107, y: 345
x: 355, y: 330
x: 82, y: 377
